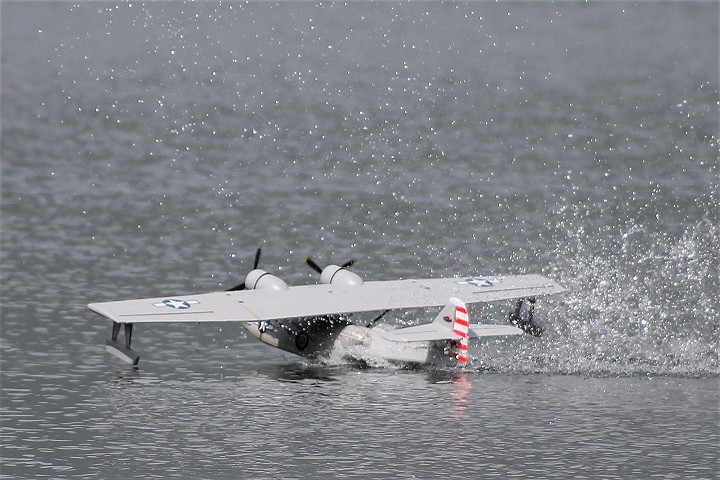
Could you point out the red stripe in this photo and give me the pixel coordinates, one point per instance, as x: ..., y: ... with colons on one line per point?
x: 461, y: 309
x: 462, y: 346
x: 461, y: 359
x: 462, y: 334
x: 462, y: 322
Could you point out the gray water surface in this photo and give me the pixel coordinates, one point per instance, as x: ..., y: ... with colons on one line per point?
x: 147, y: 149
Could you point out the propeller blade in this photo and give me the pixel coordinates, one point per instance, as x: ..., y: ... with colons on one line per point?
x: 241, y: 286
x: 313, y: 265
x: 349, y: 263
x: 257, y: 256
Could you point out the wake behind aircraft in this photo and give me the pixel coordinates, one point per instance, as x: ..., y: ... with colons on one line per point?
x: 315, y: 321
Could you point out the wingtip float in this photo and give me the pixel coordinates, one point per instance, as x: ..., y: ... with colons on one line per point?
x: 314, y: 320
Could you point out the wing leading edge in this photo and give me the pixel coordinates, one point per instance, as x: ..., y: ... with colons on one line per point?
x: 314, y: 300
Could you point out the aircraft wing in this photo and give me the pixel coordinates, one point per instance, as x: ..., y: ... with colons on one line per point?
x: 314, y: 300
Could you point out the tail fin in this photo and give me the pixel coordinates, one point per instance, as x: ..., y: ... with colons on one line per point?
x: 450, y: 324
x: 454, y: 317
x: 461, y: 327
x: 446, y: 316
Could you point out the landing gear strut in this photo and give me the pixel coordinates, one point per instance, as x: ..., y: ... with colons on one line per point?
x: 525, y: 323
x: 123, y: 352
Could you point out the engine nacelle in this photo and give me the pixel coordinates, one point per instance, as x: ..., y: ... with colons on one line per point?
x: 261, y: 280
x: 333, y: 274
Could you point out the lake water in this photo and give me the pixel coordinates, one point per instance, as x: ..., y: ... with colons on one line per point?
x: 148, y: 148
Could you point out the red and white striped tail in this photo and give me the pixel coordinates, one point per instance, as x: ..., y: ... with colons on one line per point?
x: 461, y: 327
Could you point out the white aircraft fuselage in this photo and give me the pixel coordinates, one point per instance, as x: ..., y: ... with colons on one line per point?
x: 334, y: 337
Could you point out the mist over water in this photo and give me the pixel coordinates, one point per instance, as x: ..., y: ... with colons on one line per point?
x: 148, y: 147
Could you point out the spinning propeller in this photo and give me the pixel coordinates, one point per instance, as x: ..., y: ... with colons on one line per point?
x: 337, y: 274
x: 241, y: 286
x: 319, y: 270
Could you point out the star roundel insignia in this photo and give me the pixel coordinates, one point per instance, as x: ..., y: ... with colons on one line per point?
x: 265, y: 326
x: 178, y: 304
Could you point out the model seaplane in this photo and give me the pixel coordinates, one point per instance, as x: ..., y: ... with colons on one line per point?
x: 314, y: 321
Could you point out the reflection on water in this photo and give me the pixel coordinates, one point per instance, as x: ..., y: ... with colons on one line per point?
x: 300, y: 372
x: 460, y: 395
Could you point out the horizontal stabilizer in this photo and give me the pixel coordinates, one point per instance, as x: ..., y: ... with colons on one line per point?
x: 430, y: 332
x: 480, y: 330
x: 420, y: 333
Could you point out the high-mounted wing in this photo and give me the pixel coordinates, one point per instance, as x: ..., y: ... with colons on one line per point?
x: 314, y: 300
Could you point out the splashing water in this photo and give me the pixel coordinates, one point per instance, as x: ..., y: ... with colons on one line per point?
x: 638, y: 302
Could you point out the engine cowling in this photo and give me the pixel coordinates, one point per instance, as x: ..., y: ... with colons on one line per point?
x: 259, y: 279
x: 333, y: 274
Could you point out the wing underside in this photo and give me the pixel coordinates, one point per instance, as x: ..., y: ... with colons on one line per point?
x: 315, y: 300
